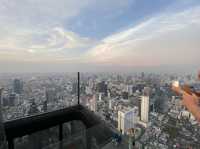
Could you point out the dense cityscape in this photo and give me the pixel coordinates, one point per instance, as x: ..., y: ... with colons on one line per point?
x: 99, y: 74
x: 142, y: 102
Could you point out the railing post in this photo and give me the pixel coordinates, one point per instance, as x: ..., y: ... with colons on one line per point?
x: 60, y: 132
x: 10, y: 144
x: 78, y: 88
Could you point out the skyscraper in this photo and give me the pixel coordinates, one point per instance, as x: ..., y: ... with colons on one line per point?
x: 110, y: 104
x: 102, y: 87
x: 2, y: 134
x: 93, y: 103
x: 100, y: 96
x: 17, y: 86
x: 127, y: 118
x: 12, y: 99
x: 144, y: 113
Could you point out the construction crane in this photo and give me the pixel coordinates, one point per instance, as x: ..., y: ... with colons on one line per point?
x: 190, y: 98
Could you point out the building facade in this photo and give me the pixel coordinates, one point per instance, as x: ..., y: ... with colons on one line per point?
x: 144, y: 117
x: 127, y: 118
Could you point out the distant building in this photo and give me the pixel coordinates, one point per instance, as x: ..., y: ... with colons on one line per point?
x: 100, y: 96
x: 102, y: 87
x: 44, y: 108
x: 125, y: 95
x: 144, y: 113
x: 93, y: 103
x: 74, y: 88
x: 130, y: 89
x: 147, y: 91
x: 110, y: 104
x: 12, y: 97
x: 1, y: 96
x: 50, y: 94
x: 109, y: 95
x: 88, y: 90
x: 33, y: 108
x: 2, y: 133
x: 17, y: 86
x: 142, y: 75
x: 127, y: 118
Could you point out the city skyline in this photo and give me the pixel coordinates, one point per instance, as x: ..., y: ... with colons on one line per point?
x: 131, y: 35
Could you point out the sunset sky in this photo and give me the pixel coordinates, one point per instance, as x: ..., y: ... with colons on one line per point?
x: 99, y: 35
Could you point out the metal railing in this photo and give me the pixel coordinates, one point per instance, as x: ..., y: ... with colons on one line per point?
x: 30, y: 124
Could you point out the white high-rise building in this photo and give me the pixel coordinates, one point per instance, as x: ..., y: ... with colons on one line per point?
x: 144, y: 110
x: 110, y: 104
x: 109, y: 94
x: 88, y: 90
x: 127, y: 118
x: 100, y: 96
x: 93, y: 103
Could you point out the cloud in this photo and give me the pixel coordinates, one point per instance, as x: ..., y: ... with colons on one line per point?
x: 35, y: 29
x: 148, y: 42
x: 37, y: 12
x: 49, y: 13
x: 44, y: 43
x: 42, y: 31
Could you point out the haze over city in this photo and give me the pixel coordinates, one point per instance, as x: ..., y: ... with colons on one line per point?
x: 91, y: 35
x: 99, y: 74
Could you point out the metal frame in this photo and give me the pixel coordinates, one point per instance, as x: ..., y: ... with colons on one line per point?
x: 31, y: 124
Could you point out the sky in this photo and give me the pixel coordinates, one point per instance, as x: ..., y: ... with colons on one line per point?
x: 99, y: 35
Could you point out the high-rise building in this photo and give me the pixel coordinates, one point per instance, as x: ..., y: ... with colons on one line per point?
x: 33, y: 108
x: 17, y: 86
x: 142, y: 75
x: 11, y: 99
x: 108, y: 94
x: 50, y: 94
x: 102, y: 87
x: 146, y: 91
x: 144, y: 113
x: 125, y: 95
x: 93, y: 103
x: 74, y: 88
x: 127, y: 118
x: 110, y: 104
x: 100, y: 96
x: 44, y: 106
x: 2, y: 134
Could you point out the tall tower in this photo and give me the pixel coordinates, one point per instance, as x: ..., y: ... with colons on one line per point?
x: 144, y: 117
x: 127, y: 118
x: 110, y: 104
x: 17, y: 86
x: 93, y: 103
x: 100, y: 96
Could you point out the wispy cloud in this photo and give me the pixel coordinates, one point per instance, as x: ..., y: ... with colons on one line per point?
x: 43, y: 31
x: 37, y: 12
x: 36, y: 30
x: 136, y: 44
x: 55, y: 41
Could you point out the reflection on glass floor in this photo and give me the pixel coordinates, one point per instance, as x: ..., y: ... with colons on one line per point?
x: 92, y: 138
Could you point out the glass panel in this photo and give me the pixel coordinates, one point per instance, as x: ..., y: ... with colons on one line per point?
x: 30, y: 94
x: 92, y: 138
x: 38, y: 140
x: 71, y: 128
x: 161, y: 118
